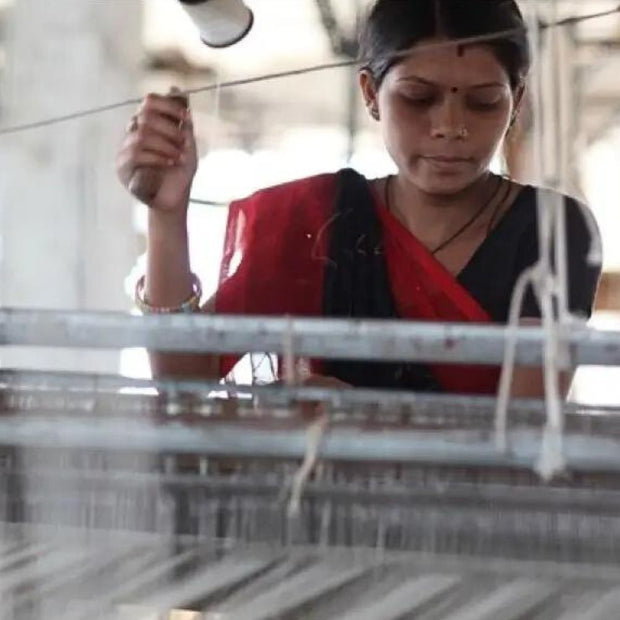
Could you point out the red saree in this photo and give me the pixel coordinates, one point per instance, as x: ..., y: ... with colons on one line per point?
x: 277, y: 249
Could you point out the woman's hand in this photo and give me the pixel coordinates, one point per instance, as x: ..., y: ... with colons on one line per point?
x: 161, y: 136
x: 313, y: 409
x: 321, y: 381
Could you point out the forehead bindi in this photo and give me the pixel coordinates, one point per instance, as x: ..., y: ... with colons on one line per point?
x: 453, y: 66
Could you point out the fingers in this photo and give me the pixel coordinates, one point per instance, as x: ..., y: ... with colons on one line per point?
x: 310, y: 410
x: 160, y: 119
x: 127, y: 163
x: 170, y: 106
x: 159, y: 134
x: 139, y: 150
x: 152, y: 122
x: 147, y: 140
x: 324, y: 381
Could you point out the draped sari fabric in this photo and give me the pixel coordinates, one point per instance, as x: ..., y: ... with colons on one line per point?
x: 327, y: 246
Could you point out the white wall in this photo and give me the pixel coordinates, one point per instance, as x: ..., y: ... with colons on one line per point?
x: 65, y: 222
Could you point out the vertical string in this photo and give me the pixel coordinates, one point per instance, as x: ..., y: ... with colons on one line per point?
x: 552, y: 286
x: 533, y: 274
x: 314, y: 436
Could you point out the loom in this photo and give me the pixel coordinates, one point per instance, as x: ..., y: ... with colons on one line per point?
x: 134, y: 499
x: 192, y: 500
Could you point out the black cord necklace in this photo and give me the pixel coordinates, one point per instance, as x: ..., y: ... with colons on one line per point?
x: 499, y: 205
x: 465, y: 226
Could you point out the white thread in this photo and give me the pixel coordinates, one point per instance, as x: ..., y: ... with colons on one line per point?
x: 313, y: 442
x: 552, y: 284
x: 314, y: 254
x: 273, y: 76
x: 551, y: 460
x: 547, y: 288
x: 527, y: 277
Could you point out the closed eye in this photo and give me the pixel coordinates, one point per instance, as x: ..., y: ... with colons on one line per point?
x: 484, y: 105
x: 421, y: 102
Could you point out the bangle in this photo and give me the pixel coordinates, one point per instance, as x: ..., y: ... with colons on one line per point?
x: 192, y: 304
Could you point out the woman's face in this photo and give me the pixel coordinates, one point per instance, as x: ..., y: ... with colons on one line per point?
x: 443, y: 112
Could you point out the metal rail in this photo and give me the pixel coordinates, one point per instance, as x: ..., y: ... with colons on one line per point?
x: 239, y: 440
x: 322, y: 338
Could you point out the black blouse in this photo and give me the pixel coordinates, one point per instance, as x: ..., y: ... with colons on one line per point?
x: 356, y: 283
x: 512, y: 246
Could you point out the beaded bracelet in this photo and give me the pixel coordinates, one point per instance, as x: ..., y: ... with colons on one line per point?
x: 192, y: 304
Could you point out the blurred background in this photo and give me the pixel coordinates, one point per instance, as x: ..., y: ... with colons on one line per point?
x: 71, y: 238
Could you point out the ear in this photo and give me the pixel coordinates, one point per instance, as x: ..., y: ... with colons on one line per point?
x: 369, y: 92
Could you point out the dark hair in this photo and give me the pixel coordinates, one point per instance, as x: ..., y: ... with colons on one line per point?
x: 394, y: 26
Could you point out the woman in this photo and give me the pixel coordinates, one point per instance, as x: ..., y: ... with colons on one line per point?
x: 443, y: 239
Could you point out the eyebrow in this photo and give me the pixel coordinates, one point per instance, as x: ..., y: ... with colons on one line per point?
x: 416, y: 78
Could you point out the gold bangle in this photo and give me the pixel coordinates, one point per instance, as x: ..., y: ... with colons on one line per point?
x: 192, y: 304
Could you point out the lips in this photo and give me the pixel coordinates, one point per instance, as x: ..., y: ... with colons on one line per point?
x: 447, y: 164
x: 447, y: 159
